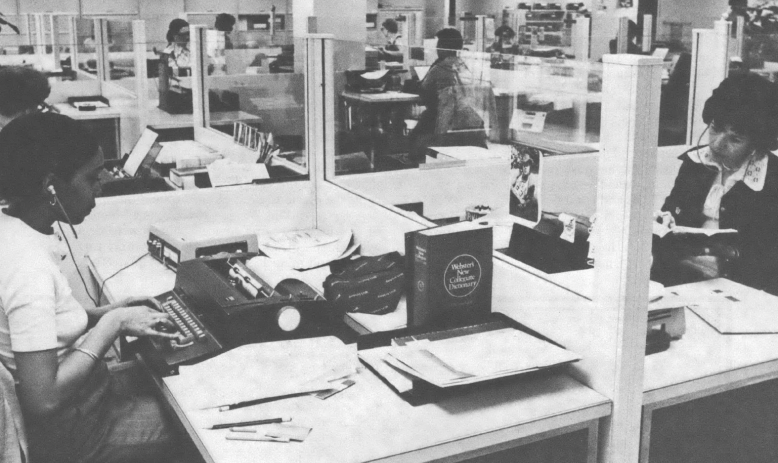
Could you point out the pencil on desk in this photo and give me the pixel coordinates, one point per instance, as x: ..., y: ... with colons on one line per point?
x: 250, y: 423
x: 248, y: 403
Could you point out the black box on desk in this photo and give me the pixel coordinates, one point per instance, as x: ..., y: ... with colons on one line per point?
x: 449, y: 274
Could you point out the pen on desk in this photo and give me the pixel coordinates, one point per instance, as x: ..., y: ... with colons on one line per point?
x: 250, y: 423
x: 249, y: 403
x: 257, y: 438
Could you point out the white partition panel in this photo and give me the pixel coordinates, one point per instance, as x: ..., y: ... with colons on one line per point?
x: 710, y: 64
x: 444, y: 192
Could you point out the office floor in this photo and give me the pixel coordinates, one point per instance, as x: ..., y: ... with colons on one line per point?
x: 730, y: 427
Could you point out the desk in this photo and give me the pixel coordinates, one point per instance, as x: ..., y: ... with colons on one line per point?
x: 158, y: 119
x: 369, y: 422
x: 703, y: 363
x: 378, y: 116
x: 104, y: 123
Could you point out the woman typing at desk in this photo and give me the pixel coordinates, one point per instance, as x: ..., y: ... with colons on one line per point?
x: 73, y: 408
x: 732, y: 183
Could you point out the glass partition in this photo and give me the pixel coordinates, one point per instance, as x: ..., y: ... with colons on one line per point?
x: 120, y: 53
x: 18, y: 48
x: 86, y: 47
x: 261, y: 108
x: 453, y: 135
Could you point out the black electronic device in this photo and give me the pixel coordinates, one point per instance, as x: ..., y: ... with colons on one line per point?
x: 223, y: 304
x: 543, y: 247
x: 132, y: 174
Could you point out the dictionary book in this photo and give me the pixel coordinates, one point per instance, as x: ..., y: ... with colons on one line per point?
x: 449, y: 275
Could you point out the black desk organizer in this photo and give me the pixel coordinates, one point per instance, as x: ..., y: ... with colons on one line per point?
x: 423, y: 392
x: 88, y: 99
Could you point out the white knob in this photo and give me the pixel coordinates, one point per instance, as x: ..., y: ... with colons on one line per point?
x: 288, y: 318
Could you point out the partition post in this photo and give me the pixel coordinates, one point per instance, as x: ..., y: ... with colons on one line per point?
x: 581, y: 38
x: 53, y: 25
x: 738, y: 46
x: 480, y: 33
x: 40, y: 36
x: 141, y: 71
x: 648, y: 26
x: 625, y: 190
x: 710, y: 65
x: 622, y: 39
x: 319, y: 106
x: 101, y: 50
x: 73, y: 42
x: 201, y: 111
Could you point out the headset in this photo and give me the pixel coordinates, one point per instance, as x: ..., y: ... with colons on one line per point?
x: 55, y: 201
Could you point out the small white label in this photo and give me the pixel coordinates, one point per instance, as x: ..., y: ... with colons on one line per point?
x: 568, y: 227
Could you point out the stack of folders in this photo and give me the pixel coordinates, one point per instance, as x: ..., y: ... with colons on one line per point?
x: 463, y: 356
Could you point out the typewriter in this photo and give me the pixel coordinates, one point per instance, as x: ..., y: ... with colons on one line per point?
x: 219, y: 303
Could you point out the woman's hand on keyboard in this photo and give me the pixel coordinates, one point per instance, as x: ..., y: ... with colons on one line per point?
x: 145, y: 321
x: 147, y: 301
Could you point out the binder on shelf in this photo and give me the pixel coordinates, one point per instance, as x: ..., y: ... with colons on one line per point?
x: 449, y: 274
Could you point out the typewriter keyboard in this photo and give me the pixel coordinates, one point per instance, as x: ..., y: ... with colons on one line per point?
x: 189, y: 328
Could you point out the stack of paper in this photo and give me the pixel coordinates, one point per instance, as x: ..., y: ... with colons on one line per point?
x: 465, y: 359
x: 306, y: 249
x: 225, y: 172
x: 288, y: 367
x: 186, y: 154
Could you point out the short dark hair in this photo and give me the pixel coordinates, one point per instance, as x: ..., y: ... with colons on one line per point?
x: 390, y: 25
x: 504, y: 30
x: 449, y: 39
x: 21, y: 89
x: 174, y: 28
x: 749, y: 104
x: 224, y: 21
x: 36, y: 145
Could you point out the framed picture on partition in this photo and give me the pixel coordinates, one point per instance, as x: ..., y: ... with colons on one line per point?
x: 525, y: 182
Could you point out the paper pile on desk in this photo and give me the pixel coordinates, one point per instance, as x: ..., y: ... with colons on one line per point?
x: 306, y: 249
x: 465, y: 359
x: 186, y: 154
x: 730, y: 307
x: 225, y: 172
x: 283, y: 367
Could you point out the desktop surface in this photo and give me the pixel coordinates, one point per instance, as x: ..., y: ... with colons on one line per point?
x: 539, y: 405
x: 354, y: 425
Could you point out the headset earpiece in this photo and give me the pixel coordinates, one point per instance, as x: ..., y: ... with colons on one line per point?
x: 55, y: 201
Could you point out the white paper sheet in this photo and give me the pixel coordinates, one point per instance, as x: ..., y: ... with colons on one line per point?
x: 224, y: 172
x: 300, y: 365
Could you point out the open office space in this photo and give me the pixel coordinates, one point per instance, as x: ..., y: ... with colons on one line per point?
x: 315, y: 132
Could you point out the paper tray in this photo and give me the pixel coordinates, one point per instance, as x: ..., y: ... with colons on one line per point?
x: 76, y: 101
x: 423, y: 392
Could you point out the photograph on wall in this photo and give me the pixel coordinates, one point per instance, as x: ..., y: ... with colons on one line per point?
x: 525, y: 182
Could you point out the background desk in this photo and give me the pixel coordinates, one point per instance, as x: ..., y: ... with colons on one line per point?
x: 700, y: 364
x: 703, y: 363
x: 376, y: 119
x: 104, y: 123
x: 179, y: 126
x: 368, y: 421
